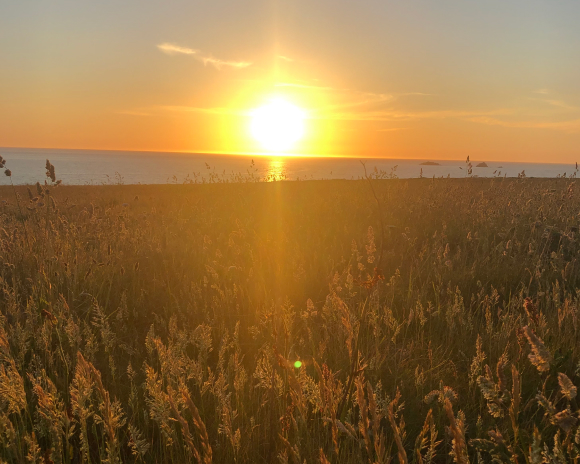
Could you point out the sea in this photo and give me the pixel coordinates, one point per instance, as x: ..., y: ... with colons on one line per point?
x: 98, y: 167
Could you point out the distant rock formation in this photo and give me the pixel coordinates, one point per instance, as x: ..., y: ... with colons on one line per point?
x: 429, y: 163
x: 482, y: 165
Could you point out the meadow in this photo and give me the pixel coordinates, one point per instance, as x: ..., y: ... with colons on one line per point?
x: 374, y: 321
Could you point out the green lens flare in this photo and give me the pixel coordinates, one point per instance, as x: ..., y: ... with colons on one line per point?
x: 298, y: 364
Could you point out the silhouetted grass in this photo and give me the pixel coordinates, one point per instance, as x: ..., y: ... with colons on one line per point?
x: 162, y: 323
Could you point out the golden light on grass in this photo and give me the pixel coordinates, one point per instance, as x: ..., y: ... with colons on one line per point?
x: 282, y: 240
x: 278, y: 125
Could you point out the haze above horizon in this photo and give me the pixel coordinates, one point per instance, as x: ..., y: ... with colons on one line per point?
x: 415, y: 79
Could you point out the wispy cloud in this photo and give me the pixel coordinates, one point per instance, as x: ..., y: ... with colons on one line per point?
x: 349, y: 105
x: 384, y: 107
x: 393, y: 109
x: 570, y: 126
x: 344, y: 98
x: 172, y: 49
x: 556, y: 103
x: 399, y: 115
x: 547, y: 113
x: 516, y: 118
x: 218, y: 63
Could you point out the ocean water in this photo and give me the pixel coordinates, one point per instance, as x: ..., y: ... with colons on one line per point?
x: 81, y: 167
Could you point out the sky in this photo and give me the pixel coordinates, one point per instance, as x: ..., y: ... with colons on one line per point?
x: 435, y: 79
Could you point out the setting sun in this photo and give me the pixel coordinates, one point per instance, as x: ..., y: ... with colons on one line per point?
x: 278, y: 125
x: 295, y: 231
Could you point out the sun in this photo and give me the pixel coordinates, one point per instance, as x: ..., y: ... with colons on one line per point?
x: 278, y: 125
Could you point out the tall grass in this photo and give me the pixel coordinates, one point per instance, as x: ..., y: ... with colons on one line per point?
x: 164, y: 323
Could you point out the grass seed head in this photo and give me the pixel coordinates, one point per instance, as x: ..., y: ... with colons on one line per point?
x: 540, y: 356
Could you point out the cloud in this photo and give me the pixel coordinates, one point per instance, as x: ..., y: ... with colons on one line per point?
x: 505, y: 117
x: 220, y: 63
x: 172, y: 49
x: 359, y: 103
x: 391, y: 109
x: 557, y: 103
x: 398, y: 115
x: 285, y: 58
x: 547, y: 113
x: 570, y: 126
x: 356, y: 105
x: 346, y: 98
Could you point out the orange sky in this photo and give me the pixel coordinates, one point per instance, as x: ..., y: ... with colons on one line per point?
x: 494, y: 80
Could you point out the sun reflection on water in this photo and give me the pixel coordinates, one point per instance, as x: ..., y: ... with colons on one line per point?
x: 276, y: 169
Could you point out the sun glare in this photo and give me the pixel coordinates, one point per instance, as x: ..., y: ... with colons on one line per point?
x: 278, y: 125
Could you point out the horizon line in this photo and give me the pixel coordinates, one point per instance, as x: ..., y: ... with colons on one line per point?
x: 274, y: 155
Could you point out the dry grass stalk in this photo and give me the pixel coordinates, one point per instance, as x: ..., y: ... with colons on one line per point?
x: 363, y: 424
x: 195, y: 266
x: 565, y: 420
x: 139, y: 446
x: 111, y: 414
x: 326, y: 387
x: 540, y: 356
x: 378, y: 435
x: 491, y: 392
x: 567, y: 388
x: 459, y: 444
x: 427, y: 438
x: 535, y: 453
x: 12, y: 393
x: 531, y: 311
x: 81, y: 392
x: 199, y: 425
x: 50, y: 410
x: 293, y: 450
x: 401, y: 453
x: 34, y: 454
x: 514, y: 409
x: 184, y: 427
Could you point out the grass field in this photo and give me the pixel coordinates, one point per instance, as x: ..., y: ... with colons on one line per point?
x: 291, y: 322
